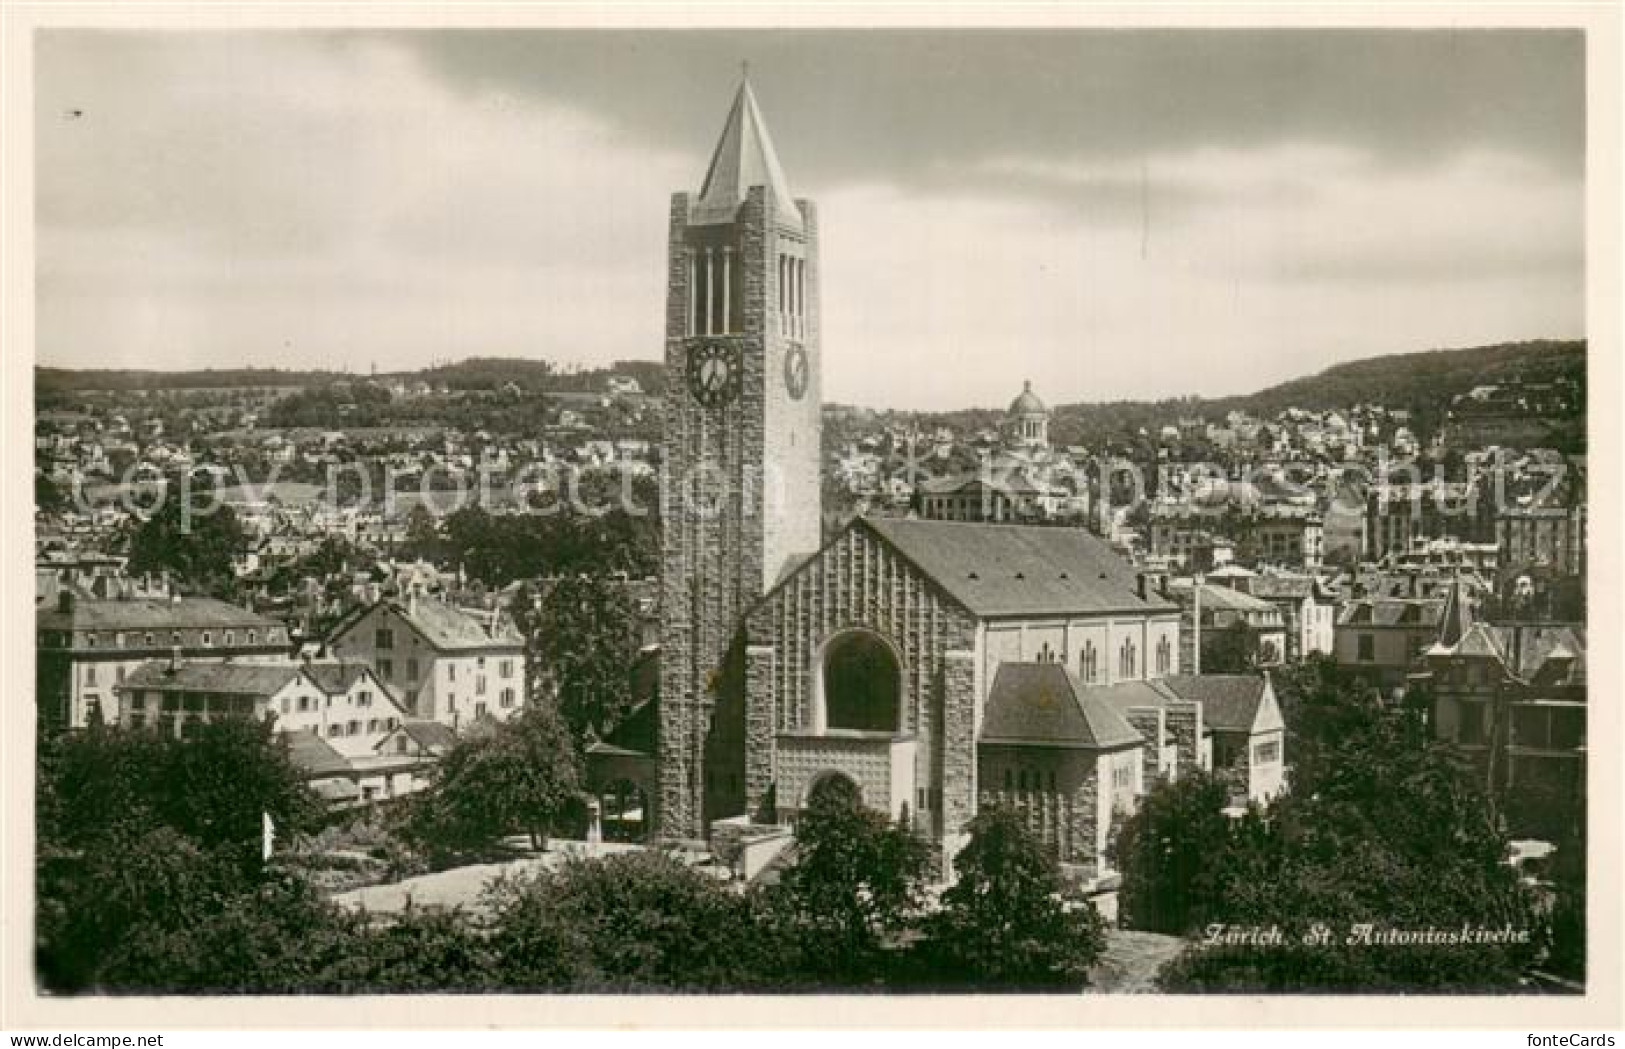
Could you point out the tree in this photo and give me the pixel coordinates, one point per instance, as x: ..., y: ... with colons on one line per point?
x: 49, y: 497
x: 143, y: 838
x: 1566, y: 948
x: 1170, y: 851
x: 270, y: 935
x: 1004, y: 924
x: 214, y: 787
x: 858, y: 880
x: 423, y: 538
x: 1381, y: 827
x: 1230, y: 649
x: 1322, y: 707
x: 421, y: 950
x: 632, y: 922
x: 586, y: 636
x: 332, y: 556
x: 196, y: 541
x: 514, y: 776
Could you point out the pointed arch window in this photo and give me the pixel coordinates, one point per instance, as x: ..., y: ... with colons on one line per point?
x: 1126, y: 659
x: 1088, y: 663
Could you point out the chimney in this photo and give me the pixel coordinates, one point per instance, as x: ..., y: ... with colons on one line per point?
x: 1196, y: 624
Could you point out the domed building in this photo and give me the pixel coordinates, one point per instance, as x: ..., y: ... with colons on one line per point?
x: 1027, y: 421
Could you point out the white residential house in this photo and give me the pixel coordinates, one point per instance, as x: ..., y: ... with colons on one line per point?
x: 334, y: 717
x: 440, y: 663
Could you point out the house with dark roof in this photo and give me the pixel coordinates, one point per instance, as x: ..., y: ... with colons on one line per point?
x: 1381, y: 638
x: 332, y: 715
x: 876, y: 659
x: 86, y: 648
x: 342, y: 703
x: 437, y: 661
x: 975, y: 495
x: 1247, y: 734
x: 1177, y: 740
x: 1060, y: 755
x: 427, y: 739
x: 1308, y: 608
x: 1512, y: 696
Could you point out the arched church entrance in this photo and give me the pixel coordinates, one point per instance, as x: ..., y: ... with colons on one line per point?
x: 862, y: 683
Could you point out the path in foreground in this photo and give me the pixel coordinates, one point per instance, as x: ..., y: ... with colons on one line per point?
x: 461, y: 886
x: 1131, y: 961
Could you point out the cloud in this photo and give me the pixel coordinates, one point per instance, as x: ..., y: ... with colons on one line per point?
x: 333, y: 204
x: 1297, y: 257
x: 344, y: 199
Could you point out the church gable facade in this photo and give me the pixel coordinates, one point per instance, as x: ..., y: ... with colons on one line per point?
x: 869, y: 662
x: 858, y: 664
x: 938, y: 666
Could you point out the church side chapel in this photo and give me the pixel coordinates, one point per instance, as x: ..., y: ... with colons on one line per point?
x: 939, y: 666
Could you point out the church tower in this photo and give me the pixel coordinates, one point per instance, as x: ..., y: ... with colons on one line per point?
x: 740, y: 489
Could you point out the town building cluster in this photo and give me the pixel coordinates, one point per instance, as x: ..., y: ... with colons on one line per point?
x: 946, y: 616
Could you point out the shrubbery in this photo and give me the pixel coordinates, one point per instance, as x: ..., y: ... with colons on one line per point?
x: 163, y: 891
x: 1381, y: 825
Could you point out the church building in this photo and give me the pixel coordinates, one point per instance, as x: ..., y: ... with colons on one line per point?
x: 936, y: 665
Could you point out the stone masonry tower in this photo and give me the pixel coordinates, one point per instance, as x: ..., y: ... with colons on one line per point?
x: 740, y: 491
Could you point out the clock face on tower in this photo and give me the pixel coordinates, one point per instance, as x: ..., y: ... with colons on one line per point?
x: 795, y: 372
x: 713, y: 373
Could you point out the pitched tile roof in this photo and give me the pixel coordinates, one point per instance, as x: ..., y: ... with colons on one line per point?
x: 430, y: 735
x: 973, y: 481
x: 1127, y: 695
x: 1296, y: 587
x: 1540, y: 650
x: 997, y: 569
x: 446, y: 627
x: 1229, y: 701
x: 1456, y: 617
x: 254, y: 679
x: 336, y: 678
x: 1480, y: 641
x: 1392, y: 612
x: 1226, y: 599
x: 1042, y: 703
x: 314, y: 755
x: 150, y: 614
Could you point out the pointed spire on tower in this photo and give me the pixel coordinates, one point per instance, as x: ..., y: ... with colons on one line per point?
x: 744, y: 158
x: 1457, y: 616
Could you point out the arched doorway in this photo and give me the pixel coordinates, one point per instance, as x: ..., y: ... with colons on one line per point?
x: 862, y: 684
x: 625, y: 812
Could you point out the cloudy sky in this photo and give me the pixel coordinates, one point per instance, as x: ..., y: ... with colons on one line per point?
x: 1109, y: 213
